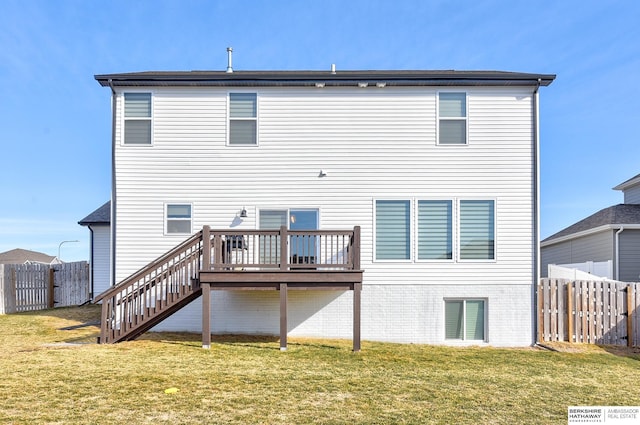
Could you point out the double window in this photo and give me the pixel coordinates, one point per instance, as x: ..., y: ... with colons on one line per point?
x: 243, y: 119
x: 434, y: 232
x: 178, y: 218
x: 452, y: 118
x: 137, y: 119
x: 465, y: 320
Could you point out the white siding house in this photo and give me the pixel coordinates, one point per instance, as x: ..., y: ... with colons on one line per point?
x: 438, y: 168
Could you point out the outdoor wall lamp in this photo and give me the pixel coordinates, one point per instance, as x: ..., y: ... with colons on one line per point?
x: 243, y: 213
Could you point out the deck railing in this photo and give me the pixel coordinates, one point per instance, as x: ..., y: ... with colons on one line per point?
x: 281, y: 249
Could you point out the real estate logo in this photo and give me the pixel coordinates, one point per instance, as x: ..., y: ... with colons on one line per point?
x: 615, y: 415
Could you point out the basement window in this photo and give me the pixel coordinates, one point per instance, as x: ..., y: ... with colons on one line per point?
x: 465, y: 320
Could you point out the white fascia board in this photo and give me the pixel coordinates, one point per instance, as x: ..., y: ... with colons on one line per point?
x: 628, y: 184
x: 590, y: 232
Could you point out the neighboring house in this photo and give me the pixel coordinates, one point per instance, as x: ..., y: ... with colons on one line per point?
x: 437, y: 169
x: 611, y: 234
x: 99, y: 225
x: 24, y: 256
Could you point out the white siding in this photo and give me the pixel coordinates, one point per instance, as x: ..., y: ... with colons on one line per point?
x: 596, y: 247
x: 101, y: 261
x: 372, y: 143
x: 632, y: 195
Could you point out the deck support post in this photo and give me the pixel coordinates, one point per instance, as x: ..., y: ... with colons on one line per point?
x: 206, y: 288
x: 283, y: 317
x: 357, y: 289
x: 206, y: 315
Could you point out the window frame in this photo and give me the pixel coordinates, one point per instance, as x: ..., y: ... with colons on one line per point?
x: 452, y: 230
x: 123, y: 139
x: 255, y: 119
x: 410, y: 231
x: 167, y: 218
x: 459, y: 231
x: 465, y: 118
x: 485, y: 319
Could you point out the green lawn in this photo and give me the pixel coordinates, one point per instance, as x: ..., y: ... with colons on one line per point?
x: 249, y: 380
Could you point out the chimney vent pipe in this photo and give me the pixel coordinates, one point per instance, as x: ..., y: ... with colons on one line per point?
x: 229, y: 59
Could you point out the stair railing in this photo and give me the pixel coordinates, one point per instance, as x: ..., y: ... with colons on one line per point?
x: 152, y: 293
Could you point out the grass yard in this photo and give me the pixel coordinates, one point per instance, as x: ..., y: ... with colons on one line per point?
x: 250, y: 381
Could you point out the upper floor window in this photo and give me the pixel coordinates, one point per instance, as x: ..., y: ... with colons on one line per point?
x: 137, y: 118
x: 477, y: 230
x: 179, y: 218
x: 243, y: 128
x: 452, y: 118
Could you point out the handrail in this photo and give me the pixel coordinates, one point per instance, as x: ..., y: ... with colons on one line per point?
x: 155, y: 263
x: 281, y: 249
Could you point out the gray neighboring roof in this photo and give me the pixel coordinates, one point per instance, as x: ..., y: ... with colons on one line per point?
x: 617, y: 214
x: 100, y: 216
x: 310, y: 78
x: 629, y: 183
x: 21, y: 256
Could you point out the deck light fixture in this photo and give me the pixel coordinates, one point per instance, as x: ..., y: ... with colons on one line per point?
x: 243, y: 213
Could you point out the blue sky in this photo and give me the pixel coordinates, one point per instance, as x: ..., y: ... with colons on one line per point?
x: 55, y: 118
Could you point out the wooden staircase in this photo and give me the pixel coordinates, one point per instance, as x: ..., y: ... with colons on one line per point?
x: 152, y: 294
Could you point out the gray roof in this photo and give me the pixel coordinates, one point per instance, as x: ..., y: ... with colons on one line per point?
x: 100, y: 216
x: 339, y: 78
x: 21, y: 256
x: 617, y: 214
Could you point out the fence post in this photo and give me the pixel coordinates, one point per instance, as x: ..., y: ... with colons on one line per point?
x: 3, y: 292
x: 540, y: 311
x: 13, y: 292
x: 570, y: 311
x: 629, y: 316
x: 50, y: 288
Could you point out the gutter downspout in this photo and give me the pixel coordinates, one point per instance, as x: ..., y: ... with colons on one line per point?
x: 618, y: 252
x: 536, y: 207
x: 91, y: 257
x: 112, y: 224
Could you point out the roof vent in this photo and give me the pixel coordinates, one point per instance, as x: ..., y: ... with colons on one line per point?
x: 229, y: 59
x: 333, y: 68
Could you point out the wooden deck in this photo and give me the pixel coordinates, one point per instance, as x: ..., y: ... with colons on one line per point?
x: 228, y: 259
x: 281, y: 260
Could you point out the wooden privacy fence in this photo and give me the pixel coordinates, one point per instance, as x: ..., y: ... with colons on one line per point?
x: 594, y: 312
x: 28, y: 287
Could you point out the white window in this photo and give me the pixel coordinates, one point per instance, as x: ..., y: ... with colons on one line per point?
x: 452, y: 118
x: 477, y: 230
x: 243, y: 125
x: 435, y: 230
x: 393, y: 230
x: 465, y: 320
x: 178, y: 219
x: 137, y: 119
